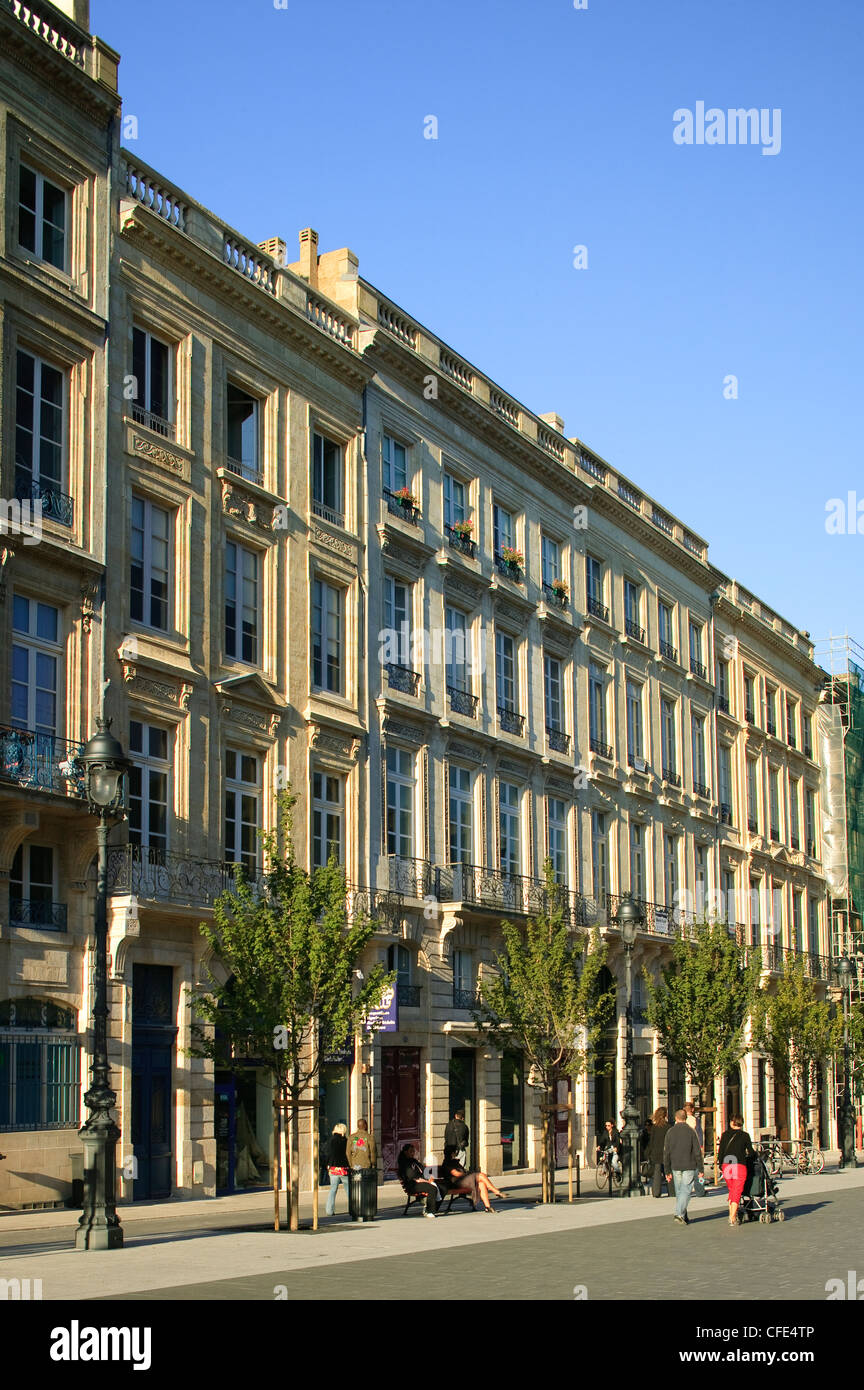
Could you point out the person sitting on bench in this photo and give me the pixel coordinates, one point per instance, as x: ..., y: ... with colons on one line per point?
x: 410, y: 1172
x: 457, y: 1180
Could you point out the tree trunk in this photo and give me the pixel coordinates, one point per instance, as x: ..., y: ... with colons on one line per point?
x: 551, y: 1095
x: 295, y: 1165
x: 276, y: 1148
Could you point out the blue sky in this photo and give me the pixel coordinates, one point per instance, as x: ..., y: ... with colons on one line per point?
x: 555, y: 130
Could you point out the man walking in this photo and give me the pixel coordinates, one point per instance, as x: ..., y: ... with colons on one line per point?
x: 682, y: 1156
x: 456, y: 1135
x: 694, y: 1122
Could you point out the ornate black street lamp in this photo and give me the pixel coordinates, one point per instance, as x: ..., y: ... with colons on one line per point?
x: 105, y: 767
x: 629, y: 920
x: 846, y: 1118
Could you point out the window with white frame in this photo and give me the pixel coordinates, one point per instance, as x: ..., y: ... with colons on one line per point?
x: 749, y: 697
x: 556, y: 836
x: 813, y: 926
x: 670, y: 870
x: 791, y: 723
x: 697, y: 664
x: 597, y: 706
x: 327, y: 479
x: 553, y: 693
x: 777, y: 913
x: 723, y: 686
x: 150, y: 565
x: 397, y: 647
x: 33, y: 886
x: 700, y: 882
x: 633, y: 608
x: 40, y: 429
x: 724, y: 779
x: 550, y: 558
x: 327, y: 637
x: 328, y: 819
x: 752, y: 795
x: 152, y: 371
x: 509, y: 838
x: 599, y: 856
x: 463, y: 979
x: 461, y: 816
x: 730, y: 895
x: 505, y: 672
x: 242, y: 808
x: 242, y: 433
x: 36, y: 665
x: 770, y: 709
x: 401, y: 960
x: 503, y: 529
x: 666, y: 629
x: 795, y: 812
x: 810, y: 821
x: 594, y: 580
x: 697, y: 740
x: 149, y: 787
x: 242, y: 603
x: 797, y: 920
x: 635, y: 740
x: 454, y: 501
x: 668, y: 737
x: 394, y: 462
x: 637, y: 861
x: 401, y: 791
x: 457, y: 655
x: 43, y: 218
x: 755, y: 912
x: 774, y: 802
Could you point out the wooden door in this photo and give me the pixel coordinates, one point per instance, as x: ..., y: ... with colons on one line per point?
x: 401, y: 1119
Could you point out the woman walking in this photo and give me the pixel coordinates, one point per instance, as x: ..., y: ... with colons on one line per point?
x: 735, y: 1154
x: 654, y: 1152
x: 337, y: 1164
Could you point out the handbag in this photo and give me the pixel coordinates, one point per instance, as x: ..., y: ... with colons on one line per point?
x: 338, y: 1172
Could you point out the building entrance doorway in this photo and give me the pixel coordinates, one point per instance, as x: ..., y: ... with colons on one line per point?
x: 401, y: 1115
x: 733, y: 1094
x: 462, y: 1097
x: 153, y: 1040
x: 512, y: 1111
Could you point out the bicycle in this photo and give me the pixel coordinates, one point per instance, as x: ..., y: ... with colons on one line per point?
x: 802, y: 1156
x: 607, y: 1174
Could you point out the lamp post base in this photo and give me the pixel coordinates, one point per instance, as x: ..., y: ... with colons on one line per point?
x: 99, y: 1227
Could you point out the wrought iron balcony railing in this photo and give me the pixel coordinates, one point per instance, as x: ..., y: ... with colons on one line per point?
x: 412, y: 877
x: 701, y: 789
x: 462, y: 701
x: 508, y: 893
x: 407, y: 511
x: 41, y: 762
x: 557, y: 597
x: 510, y: 569
x: 250, y: 471
x: 402, y: 678
x: 770, y: 726
x: 464, y: 998
x: 723, y: 703
x: 816, y: 966
x: 671, y: 776
x: 152, y: 421
x: 794, y: 841
x: 56, y: 505
x: 749, y: 716
x: 408, y: 996
x: 603, y: 750
x: 458, y: 541
x: 37, y: 912
x: 558, y: 740
x: 634, y: 630
x: 698, y: 669
x: 667, y: 650
x: 510, y: 721
x: 159, y: 875
x: 753, y: 825
x: 597, y: 609
x: 327, y: 513
x: 725, y: 813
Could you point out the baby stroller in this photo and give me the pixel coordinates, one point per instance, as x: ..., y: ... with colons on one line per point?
x: 759, y: 1199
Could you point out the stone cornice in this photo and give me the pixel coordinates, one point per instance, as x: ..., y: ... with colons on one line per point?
x: 174, y: 248
x: 769, y: 635
x: 37, y: 57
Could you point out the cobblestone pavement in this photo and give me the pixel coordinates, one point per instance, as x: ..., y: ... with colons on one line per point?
x: 822, y: 1238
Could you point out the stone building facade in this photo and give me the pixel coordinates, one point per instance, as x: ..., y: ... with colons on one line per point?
x: 290, y: 537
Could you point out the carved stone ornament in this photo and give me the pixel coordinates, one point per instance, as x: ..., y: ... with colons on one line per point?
x: 186, y: 693
x: 465, y: 750
x: 6, y: 553
x: 89, y: 589
x: 342, y: 547
x: 236, y: 503
x: 408, y: 732
x: 157, y: 453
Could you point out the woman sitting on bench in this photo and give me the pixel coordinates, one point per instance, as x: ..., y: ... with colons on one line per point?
x: 457, y: 1180
x: 410, y: 1172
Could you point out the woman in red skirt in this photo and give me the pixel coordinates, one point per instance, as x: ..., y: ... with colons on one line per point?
x: 735, y: 1154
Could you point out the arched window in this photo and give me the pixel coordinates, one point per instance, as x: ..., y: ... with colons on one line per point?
x: 40, y: 1065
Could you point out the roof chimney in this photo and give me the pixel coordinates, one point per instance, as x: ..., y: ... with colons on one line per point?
x: 309, y: 256
x: 274, y: 246
x: 553, y: 421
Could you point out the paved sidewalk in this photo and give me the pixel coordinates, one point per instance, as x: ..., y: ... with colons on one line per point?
x: 178, y: 1261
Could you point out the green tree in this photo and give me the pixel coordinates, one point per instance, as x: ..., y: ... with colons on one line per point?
x: 797, y: 1031
x: 544, y: 1000
x: 701, y: 1000
x: 288, y: 948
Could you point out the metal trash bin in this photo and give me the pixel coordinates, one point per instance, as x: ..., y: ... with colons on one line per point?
x: 363, y: 1194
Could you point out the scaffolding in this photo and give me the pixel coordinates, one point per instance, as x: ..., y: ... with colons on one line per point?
x: 840, y: 724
